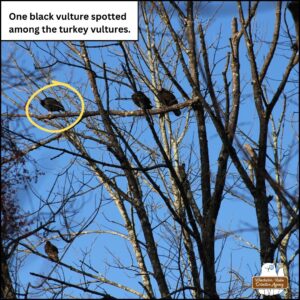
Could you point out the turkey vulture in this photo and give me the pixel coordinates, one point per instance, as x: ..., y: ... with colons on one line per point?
x: 52, y: 104
x: 167, y: 98
x: 141, y: 100
x: 51, y: 251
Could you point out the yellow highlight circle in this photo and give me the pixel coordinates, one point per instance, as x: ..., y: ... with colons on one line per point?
x: 54, y: 83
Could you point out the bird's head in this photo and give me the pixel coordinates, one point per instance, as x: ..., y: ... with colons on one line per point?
x: 269, y: 267
x: 42, y: 101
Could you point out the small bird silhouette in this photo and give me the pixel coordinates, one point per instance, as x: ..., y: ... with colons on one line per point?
x: 167, y: 98
x: 141, y: 100
x: 51, y: 251
x: 52, y: 104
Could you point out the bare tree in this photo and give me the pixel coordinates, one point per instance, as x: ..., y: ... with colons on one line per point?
x: 168, y: 167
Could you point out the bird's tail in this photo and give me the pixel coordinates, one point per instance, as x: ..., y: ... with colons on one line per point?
x: 177, y: 112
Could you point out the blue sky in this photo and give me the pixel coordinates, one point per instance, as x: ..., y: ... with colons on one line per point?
x: 234, y: 214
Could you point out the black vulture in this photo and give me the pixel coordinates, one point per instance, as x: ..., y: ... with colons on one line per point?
x: 51, y: 251
x: 141, y: 100
x: 52, y: 104
x: 167, y: 98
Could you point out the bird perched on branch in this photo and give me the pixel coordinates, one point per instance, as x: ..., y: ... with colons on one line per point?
x: 294, y: 7
x: 167, y: 98
x: 51, y: 251
x: 141, y: 100
x: 52, y: 104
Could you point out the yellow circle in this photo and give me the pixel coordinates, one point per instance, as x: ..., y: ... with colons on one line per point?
x: 54, y: 83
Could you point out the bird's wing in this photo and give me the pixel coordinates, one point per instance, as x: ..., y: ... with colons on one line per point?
x: 58, y: 104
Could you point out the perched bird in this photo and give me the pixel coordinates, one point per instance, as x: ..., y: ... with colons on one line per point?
x: 141, y: 100
x: 52, y: 104
x: 293, y: 7
x: 51, y: 251
x: 167, y: 98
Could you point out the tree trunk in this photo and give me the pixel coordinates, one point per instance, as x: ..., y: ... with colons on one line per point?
x: 209, y: 275
x: 7, y: 290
